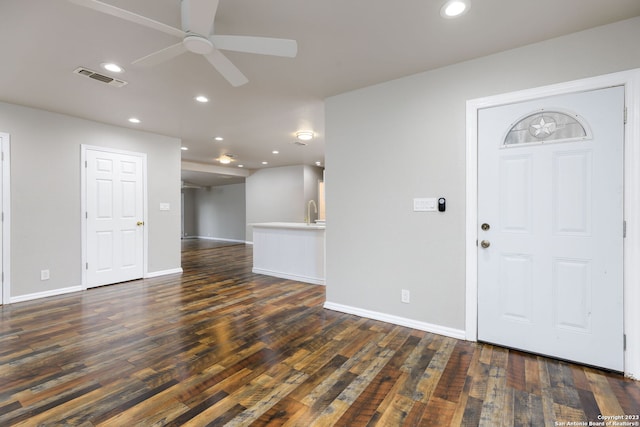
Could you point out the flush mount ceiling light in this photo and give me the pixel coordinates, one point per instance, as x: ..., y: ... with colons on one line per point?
x: 110, y: 66
x: 454, y: 8
x: 225, y: 159
x: 134, y: 120
x: 201, y: 98
x: 184, y: 148
x: 218, y: 138
x: 304, y: 135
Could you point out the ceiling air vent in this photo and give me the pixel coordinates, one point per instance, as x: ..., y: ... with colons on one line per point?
x: 99, y: 77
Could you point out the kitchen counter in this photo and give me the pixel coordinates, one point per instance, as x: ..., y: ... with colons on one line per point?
x: 289, y: 250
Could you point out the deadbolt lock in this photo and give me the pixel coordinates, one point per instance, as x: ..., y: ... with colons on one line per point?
x: 485, y: 226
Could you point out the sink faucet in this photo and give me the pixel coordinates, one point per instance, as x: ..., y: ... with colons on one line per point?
x: 315, y: 209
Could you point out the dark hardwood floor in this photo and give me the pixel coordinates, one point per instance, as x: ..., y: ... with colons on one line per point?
x: 220, y: 345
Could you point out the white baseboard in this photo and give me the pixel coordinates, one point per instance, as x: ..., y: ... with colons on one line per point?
x: 163, y: 273
x: 219, y: 239
x: 306, y: 279
x: 397, y: 320
x: 51, y: 293
x: 62, y: 291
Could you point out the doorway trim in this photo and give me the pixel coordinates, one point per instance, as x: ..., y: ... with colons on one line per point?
x: 83, y: 205
x: 5, y: 298
x: 631, y: 246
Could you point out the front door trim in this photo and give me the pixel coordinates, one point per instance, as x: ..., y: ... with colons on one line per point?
x: 631, y: 81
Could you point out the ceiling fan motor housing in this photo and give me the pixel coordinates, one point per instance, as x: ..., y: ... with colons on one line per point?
x: 197, y: 44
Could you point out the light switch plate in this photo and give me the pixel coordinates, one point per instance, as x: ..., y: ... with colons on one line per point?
x: 165, y: 207
x: 425, y: 204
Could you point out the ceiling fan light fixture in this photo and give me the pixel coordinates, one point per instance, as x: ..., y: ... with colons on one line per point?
x: 454, y: 8
x: 304, y: 135
x: 197, y: 44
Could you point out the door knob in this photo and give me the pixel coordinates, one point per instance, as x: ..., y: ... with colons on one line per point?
x: 485, y: 226
x: 139, y: 223
x: 485, y: 244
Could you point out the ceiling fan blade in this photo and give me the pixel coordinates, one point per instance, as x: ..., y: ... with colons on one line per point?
x: 260, y: 45
x: 226, y: 68
x: 161, y: 55
x: 198, y: 16
x: 129, y: 16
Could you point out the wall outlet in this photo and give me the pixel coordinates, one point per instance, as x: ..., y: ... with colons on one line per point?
x: 44, y: 274
x: 406, y: 297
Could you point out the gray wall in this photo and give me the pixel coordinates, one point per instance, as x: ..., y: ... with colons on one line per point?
x: 220, y: 212
x: 280, y: 194
x: 189, y: 228
x: 376, y: 245
x: 45, y: 194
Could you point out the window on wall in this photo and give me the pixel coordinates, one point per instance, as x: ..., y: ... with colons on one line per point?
x: 544, y: 126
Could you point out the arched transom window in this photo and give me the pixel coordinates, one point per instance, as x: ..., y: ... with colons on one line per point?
x: 544, y: 126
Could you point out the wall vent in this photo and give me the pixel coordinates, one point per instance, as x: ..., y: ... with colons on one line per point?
x: 99, y: 77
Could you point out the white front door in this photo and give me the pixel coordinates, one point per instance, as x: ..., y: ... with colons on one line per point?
x: 114, y: 217
x: 550, y: 226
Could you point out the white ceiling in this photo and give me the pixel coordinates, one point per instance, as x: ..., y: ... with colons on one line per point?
x: 342, y: 46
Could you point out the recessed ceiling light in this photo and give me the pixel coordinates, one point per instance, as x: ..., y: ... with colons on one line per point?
x: 265, y: 163
x: 201, y: 98
x: 134, y: 120
x: 184, y: 148
x: 275, y: 152
x: 110, y: 66
x: 318, y: 163
x: 219, y: 138
x: 304, y: 135
x: 454, y: 8
x: 240, y: 166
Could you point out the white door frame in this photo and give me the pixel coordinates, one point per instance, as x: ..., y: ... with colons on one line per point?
x: 5, y: 297
x: 83, y: 204
x: 631, y: 81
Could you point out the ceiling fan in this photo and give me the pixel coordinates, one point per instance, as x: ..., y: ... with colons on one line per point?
x: 197, y: 37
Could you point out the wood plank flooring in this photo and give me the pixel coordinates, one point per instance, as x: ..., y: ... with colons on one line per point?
x: 220, y: 345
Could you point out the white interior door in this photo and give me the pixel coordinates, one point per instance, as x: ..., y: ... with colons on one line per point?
x: 550, y: 226
x: 3, y: 137
x: 5, y: 208
x: 114, y: 217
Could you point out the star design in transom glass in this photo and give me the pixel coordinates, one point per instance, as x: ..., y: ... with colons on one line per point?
x: 543, y: 128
